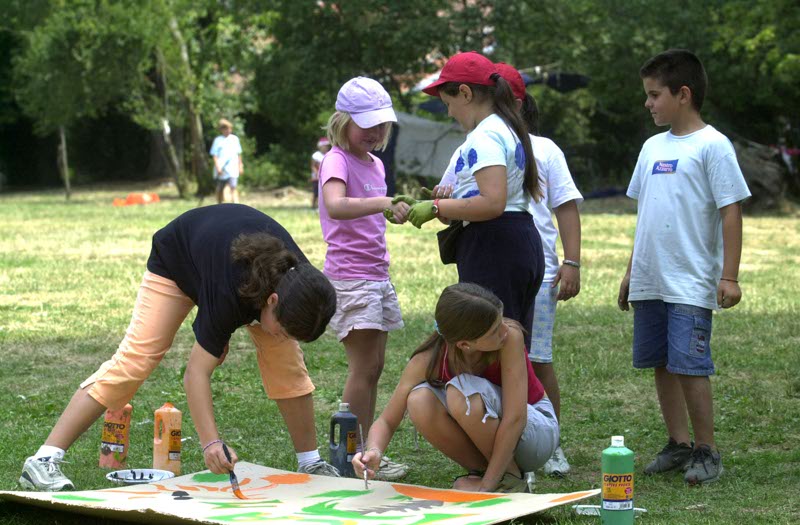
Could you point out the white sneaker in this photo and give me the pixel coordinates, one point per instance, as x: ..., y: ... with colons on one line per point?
x: 44, y: 474
x: 320, y: 468
x: 390, y: 471
x: 557, y: 465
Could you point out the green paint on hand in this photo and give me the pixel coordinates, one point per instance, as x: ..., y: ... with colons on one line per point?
x: 70, y: 497
x: 210, y: 477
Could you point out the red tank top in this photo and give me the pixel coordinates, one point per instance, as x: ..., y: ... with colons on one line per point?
x: 494, y: 376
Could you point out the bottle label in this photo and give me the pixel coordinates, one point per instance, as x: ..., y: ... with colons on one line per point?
x: 109, y: 448
x: 618, y: 491
x: 351, y: 442
x: 175, y: 445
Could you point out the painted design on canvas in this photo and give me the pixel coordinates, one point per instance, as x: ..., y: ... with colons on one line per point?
x: 279, y: 496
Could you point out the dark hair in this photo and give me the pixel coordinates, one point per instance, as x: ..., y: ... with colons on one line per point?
x: 503, y: 104
x: 676, y: 68
x: 465, y: 311
x: 306, y: 298
x: 530, y: 114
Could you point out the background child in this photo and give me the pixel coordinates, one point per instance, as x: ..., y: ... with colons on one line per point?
x: 471, y: 391
x: 685, y: 260
x: 353, y: 192
x: 240, y: 268
x: 499, y: 247
x: 227, y: 154
x: 323, y: 147
x: 559, y: 196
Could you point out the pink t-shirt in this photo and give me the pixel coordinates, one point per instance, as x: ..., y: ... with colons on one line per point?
x: 356, y: 247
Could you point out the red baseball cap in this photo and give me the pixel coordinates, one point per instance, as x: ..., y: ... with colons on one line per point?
x: 513, y: 77
x: 468, y: 68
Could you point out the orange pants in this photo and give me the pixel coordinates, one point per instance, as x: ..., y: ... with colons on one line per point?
x: 158, y: 313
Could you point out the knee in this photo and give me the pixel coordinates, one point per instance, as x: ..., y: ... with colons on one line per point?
x: 421, y: 405
x: 458, y: 404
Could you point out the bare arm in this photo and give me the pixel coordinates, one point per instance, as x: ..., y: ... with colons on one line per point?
x: 624, y: 287
x: 241, y: 165
x: 217, y: 165
x: 197, y: 383
x: 488, y: 205
x: 514, y: 372
x: 728, y: 292
x: 341, y: 207
x: 569, y: 229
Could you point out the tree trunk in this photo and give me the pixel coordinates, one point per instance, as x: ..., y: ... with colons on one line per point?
x: 172, y: 160
x: 63, y: 164
x: 205, y: 185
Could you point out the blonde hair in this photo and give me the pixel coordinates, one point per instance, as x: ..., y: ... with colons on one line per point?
x: 336, y: 130
x: 225, y: 123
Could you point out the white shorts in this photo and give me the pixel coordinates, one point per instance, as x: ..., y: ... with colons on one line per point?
x: 544, y: 318
x: 365, y: 305
x: 540, y: 437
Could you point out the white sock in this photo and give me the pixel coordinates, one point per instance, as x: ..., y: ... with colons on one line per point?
x: 46, y: 451
x: 308, y: 458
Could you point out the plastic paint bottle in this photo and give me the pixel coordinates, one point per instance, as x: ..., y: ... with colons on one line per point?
x: 344, y: 449
x: 617, y: 464
x: 167, y: 439
x: 115, y: 438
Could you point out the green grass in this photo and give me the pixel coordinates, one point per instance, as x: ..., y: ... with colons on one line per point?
x: 69, y: 272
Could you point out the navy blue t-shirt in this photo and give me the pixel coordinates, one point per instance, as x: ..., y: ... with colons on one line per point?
x: 194, y: 250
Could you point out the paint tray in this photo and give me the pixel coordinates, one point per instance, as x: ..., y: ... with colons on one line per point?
x: 138, y: 476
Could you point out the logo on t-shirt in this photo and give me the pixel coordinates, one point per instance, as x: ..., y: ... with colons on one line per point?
x: 370, y: 187
x: 665, y: 167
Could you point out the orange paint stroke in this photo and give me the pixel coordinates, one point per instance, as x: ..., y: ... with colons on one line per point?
x: 447, y: 496
x: 291, y: 478
x: 572, y: 497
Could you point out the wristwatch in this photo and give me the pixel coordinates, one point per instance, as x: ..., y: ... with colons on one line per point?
x: 435, y: 207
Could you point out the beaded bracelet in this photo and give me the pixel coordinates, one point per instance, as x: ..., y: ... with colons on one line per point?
x: 574, y: 264
x: 380, y: 452
x: 212, y: 443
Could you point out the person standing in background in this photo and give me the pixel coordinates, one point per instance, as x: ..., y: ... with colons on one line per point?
x: 227, y: 154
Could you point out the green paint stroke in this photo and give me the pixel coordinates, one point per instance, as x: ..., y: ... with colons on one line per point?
x: 480, y: 522
x: 488, y: 503
x: 400, y: 497
x: 70, y: 497
x: 245, y: 517
x: 433, y: 518
x: 220, y: 505
x: 210, y: 477
x: 341, y: 494
x: 328, y: 509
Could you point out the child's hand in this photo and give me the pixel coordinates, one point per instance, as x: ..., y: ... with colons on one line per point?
x: 439, y: 192
x: 397, y: 213
x: 369, y: 460
x: 421, y: 213
x: 728, y: 294
x: 624, y: 288
x: 216, y: 461
x: 570, y: 279
x: 404, y: 198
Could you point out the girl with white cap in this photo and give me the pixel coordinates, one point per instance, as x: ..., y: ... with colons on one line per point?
x: 353, y: 197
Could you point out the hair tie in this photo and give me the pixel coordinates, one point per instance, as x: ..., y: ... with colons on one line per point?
x: 292, y: 268
x: 436, y: 327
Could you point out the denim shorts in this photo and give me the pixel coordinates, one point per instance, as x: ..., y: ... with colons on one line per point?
x: 677, y: 336
x: 540, y: 437
x: 544, y: 317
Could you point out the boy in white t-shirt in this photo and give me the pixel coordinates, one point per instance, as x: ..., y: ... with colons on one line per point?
x: 685, y: 260
x: 227, y: 154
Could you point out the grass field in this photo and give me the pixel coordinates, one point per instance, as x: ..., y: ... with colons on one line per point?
x: 69, y: 272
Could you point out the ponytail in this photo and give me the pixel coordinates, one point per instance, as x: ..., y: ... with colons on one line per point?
x: 306, y: 299
x: 505, y: 107
x: 530, y: 114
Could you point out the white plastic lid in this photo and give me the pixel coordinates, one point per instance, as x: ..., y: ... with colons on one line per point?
x: 617, y: 441
x: 344, y: 407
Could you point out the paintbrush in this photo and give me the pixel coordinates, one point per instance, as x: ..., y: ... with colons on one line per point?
x: 363, y: 451
x: 234, y: 482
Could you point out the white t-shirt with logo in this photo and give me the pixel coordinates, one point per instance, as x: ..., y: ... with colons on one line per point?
x: 491, y: 143
x: 681, y: 182
x: 557, y: 188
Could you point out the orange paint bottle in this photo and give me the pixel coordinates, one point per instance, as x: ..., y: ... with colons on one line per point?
x: 114, y: 441
x: 167, y: 439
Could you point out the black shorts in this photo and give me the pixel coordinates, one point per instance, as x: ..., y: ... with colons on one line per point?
x: 505, y: 256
